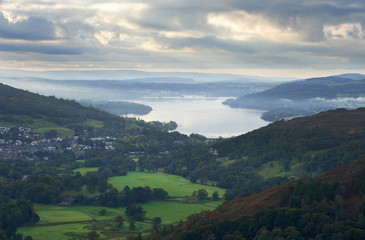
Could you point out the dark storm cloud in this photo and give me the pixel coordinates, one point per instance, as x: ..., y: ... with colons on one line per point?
x: 34, y: 28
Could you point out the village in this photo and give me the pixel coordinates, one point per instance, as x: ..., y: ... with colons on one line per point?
x: 25, y: 144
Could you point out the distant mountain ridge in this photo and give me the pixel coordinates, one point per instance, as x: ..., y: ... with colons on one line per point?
x: 354, y: 76
x: 328, y: 88
x: 134, y: 89
x: 305, y: 97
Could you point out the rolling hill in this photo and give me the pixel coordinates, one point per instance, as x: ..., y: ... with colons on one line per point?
x: 24, y: 108
x: 328, y: 207
x: 316, y: 143
x: 305, y: 97
x: 275, y: 154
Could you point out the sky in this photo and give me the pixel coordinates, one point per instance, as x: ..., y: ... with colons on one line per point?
x: 291, y: 38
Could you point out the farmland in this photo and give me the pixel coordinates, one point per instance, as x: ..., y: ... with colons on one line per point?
x: 173, y: 184
x: 62, y: 222
x: 76, y: 221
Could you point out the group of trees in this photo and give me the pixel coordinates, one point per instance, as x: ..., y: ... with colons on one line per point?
x: 115, y: 198
x: 14, y: 214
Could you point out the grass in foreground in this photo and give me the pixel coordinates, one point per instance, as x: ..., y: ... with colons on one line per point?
x: 65, y: 220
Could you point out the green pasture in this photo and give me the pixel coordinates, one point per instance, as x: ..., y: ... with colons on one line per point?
x: 273, y: 169
x: 57, y: 232
x: 94, y: 123
x: 12, y: 120
x: 84, y: 170
x: 62, y: 132
x: 56, y: 214
x: 173, y: 184
x: 173, y: 212
x: 65, y: 222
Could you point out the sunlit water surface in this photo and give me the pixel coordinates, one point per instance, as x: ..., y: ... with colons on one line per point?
x: 203, y: 115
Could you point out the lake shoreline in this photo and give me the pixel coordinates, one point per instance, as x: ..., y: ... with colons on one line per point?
x: 206, y: 116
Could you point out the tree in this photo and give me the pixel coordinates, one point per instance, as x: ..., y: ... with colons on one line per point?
x: 102, y: 185
x: 102, y: 212
x: 159, y: 194
x: 93, y: 235
x: 119, y: 220
x: 202, y: 194
x: 135, y: 212
x: 132, y: 225
x: 156, y: 222
x: 215, y: 196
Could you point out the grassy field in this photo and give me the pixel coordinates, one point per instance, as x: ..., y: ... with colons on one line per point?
x: 273, y: 169
x: 174, y: 185
x: 24, y: 120
x: 66, y: 220
x: 94, y: 123
x: 62, y: 132
x: 58, y: 223
x: 55, y: 214
x: 173, y: 212
x: 57, y: 232
x: 84, y: 170
x: 39, y: 124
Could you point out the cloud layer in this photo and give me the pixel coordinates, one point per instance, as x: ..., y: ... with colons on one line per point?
x: 313, y: 34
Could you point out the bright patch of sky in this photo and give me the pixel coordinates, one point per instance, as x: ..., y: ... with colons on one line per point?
x: 234, y: 36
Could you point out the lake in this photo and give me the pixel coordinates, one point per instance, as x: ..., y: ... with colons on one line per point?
x: 203, y: 115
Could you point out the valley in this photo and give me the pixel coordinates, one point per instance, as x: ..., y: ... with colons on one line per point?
x: 82, y: 171
x: 182, y: 120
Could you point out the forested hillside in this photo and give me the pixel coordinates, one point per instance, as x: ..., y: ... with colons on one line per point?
x: 310, y: 140
x: 305, y: 97
x: 23, y: 108
x: 329, y: 207
x: 273, y: 154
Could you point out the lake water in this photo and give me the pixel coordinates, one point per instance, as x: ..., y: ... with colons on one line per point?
x: 203, y: 115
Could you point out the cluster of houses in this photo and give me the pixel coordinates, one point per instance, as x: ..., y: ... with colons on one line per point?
x: 24, y: 143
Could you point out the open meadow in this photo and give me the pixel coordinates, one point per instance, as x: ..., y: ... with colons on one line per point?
x: 58, y: 223
x: 173, y: 184
x: 76, y: 221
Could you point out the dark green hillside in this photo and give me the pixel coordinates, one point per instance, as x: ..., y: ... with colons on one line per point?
x: 319, y: 143
x: 16, y: 101
x: 274, y: 154
x: 297, y: 148
x: 329, y: 207
x: 23, y: 108
x: 119, y: 107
